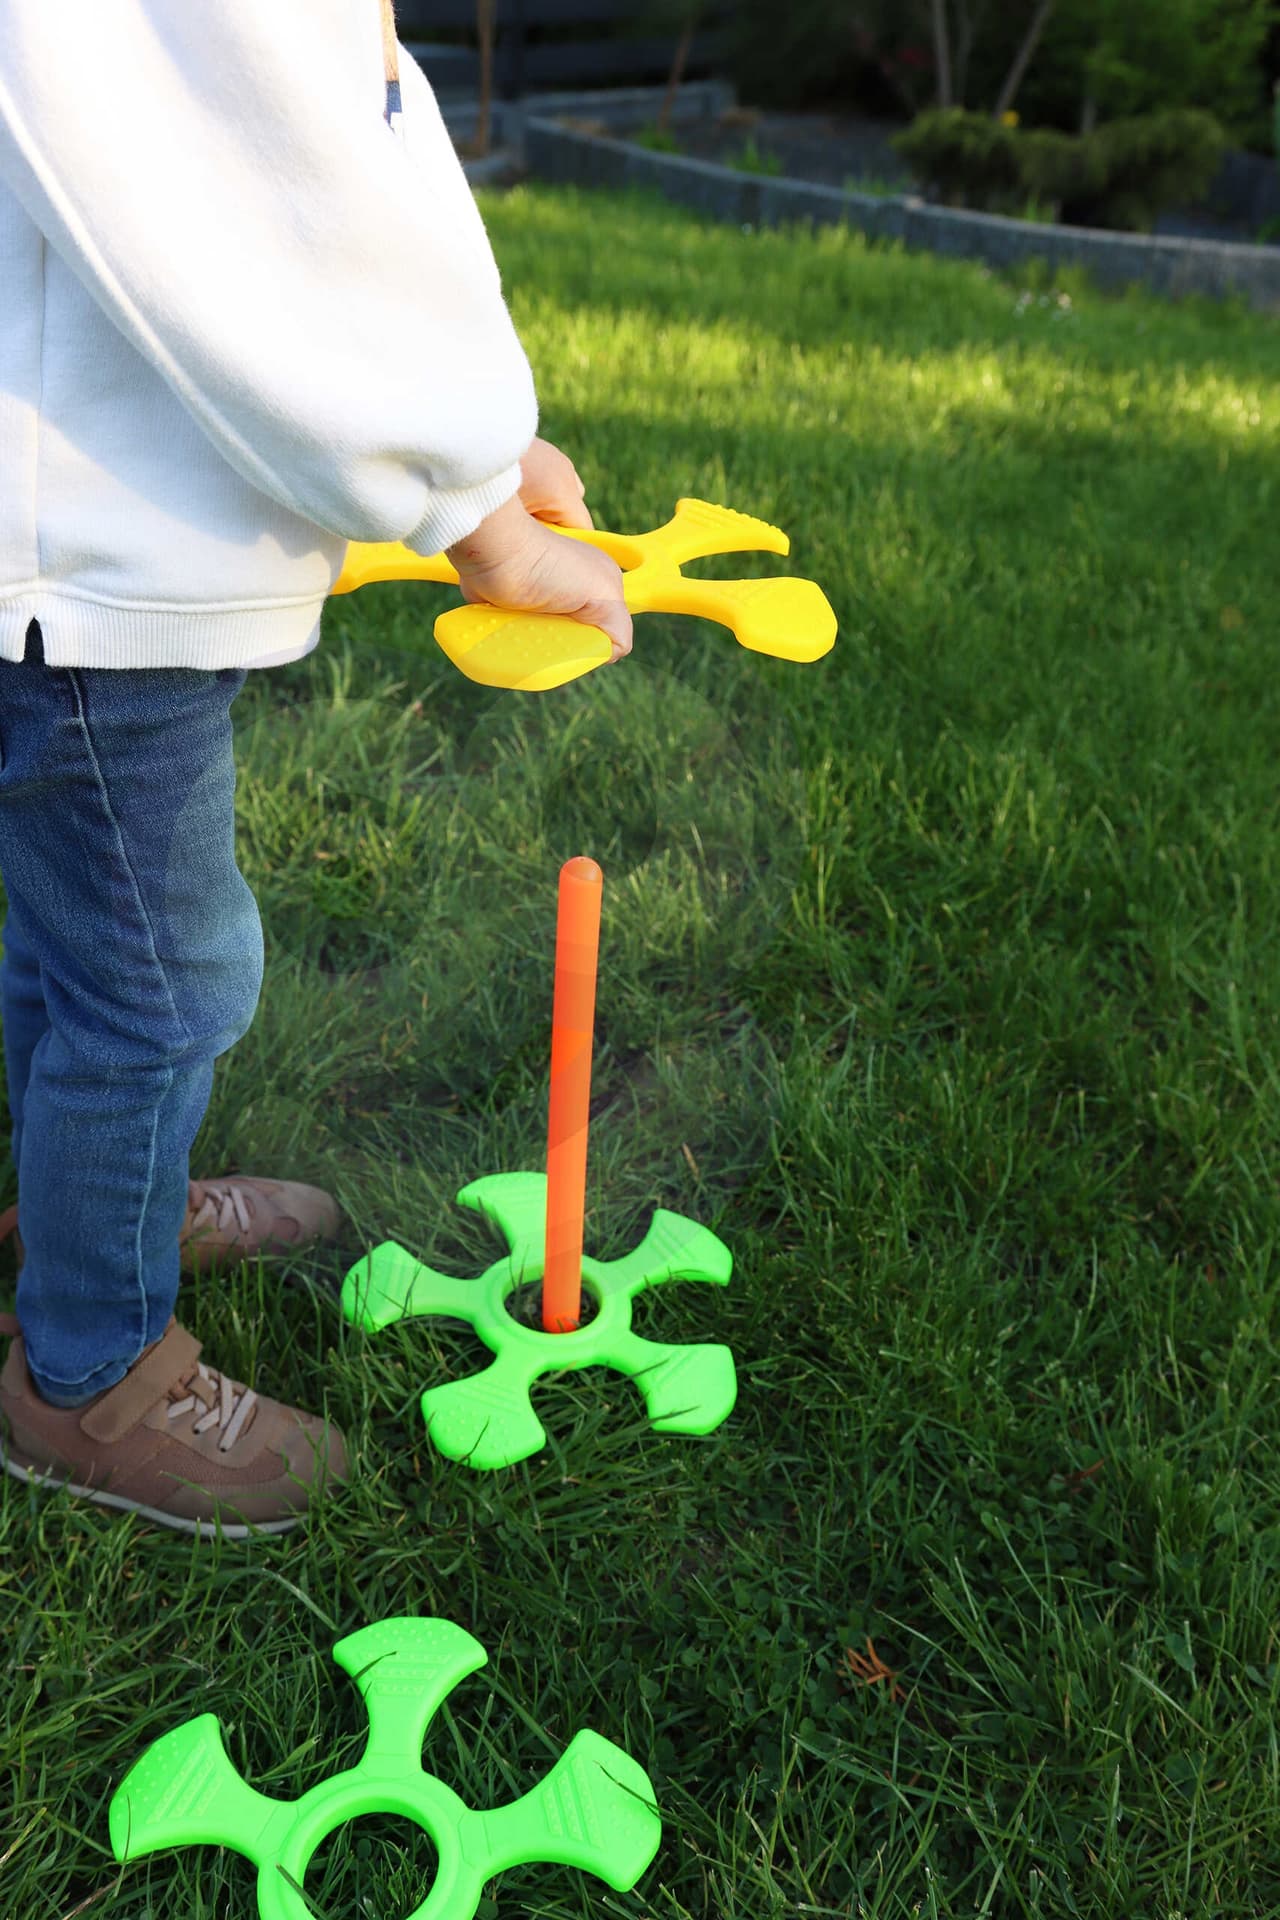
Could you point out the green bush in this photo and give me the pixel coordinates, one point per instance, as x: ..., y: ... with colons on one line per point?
x: 1148, y: 163
x: 1122, y: 175
x: 965, y: 156
x: 1058, y: 168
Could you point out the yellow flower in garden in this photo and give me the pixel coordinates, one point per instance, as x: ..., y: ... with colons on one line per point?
x: 1009, y: 119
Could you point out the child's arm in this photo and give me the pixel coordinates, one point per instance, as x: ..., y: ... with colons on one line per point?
x: 318, y: 291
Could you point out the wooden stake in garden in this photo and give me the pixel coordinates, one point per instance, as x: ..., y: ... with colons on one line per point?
x: 572, y: 1030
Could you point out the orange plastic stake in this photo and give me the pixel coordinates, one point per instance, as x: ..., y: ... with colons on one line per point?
x: 572, y: 1025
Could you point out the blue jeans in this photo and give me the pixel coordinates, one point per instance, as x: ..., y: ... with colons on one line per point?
x: 132, y: 959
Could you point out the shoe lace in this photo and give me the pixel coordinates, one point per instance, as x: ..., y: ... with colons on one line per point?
x: 219, y: 1207
x: 226, y: 1404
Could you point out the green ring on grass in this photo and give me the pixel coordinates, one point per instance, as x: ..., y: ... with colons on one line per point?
x: 487, y: 1420
x: 594, y: 1810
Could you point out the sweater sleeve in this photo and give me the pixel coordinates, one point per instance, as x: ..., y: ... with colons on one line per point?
x: 317, y: 290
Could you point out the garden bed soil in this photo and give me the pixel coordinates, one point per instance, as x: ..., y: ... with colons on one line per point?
x: 830, y: 149
x: 845, y: 150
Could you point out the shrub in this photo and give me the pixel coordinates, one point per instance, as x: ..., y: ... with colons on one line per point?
x: 1058, y: 168
x: 966, y: 156
x: 1148, y: 163
x: 1121, y: 175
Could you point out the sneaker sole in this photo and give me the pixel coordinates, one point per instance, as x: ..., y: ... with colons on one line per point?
x: 33, y: 1476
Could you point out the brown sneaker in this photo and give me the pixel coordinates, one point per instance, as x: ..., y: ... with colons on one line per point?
x: 175, y: 1440
x: 237, y: 1216
x: 233, y: 1218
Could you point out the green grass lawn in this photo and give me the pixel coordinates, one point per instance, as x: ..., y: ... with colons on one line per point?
x: 940, y: 979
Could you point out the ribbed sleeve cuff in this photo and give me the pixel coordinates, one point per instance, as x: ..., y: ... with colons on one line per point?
x: 458, y: 511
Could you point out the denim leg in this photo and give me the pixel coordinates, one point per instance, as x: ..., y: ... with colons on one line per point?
x: 117, y: 851
x: 23, y: 1019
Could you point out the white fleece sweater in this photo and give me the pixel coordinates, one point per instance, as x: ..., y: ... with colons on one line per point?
x: 242, y: 321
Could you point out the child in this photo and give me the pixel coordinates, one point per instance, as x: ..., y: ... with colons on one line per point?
x: 248, y: 311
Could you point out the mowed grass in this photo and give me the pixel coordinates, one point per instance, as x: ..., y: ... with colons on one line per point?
x: 940, y: 979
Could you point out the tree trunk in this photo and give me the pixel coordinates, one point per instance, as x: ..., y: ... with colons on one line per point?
x: 484, y: 33
x: 678, y: 66
x: 942, y: 53
x: 967, y: 24
x: 1022, y: 58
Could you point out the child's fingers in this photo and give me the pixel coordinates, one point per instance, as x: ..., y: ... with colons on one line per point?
x: 563, y: 512
x: 614, y: 619
x: 552, y: 489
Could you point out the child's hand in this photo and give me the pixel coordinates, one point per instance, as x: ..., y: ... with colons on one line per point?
x: 551, y: 489
x: 513, y: 560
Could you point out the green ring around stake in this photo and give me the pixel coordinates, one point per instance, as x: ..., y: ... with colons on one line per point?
x: 487, y: 1419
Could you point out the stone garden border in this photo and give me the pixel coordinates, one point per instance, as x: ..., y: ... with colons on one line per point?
x: 1164, y: 263
x: 620, y: 107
